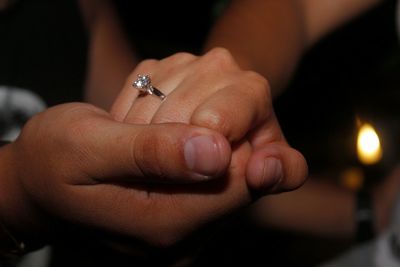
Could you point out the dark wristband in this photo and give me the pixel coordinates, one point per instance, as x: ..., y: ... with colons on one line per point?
x: 3, y: 143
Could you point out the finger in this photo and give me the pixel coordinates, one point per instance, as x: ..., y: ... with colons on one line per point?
x: 164, y: 152
x: 143, y: 108
x: 202, y: 79
x: 191, y: 92
x: 238, y: 108
x: 128, y: 94
x: 165, y: 76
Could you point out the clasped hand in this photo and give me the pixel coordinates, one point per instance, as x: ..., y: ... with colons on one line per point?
x: 153, y: 170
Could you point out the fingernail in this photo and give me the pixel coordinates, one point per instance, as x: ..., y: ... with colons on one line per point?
x: 203, y: 156
x: 272, y: 172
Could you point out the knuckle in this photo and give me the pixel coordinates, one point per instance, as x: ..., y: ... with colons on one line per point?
x: 182, y: 57
x: 220, y: 53
x: 145, y: 152
x: 259, y: 84
x: 257, y: 92
x: 170, y: 117
x: 146, y: 64
x: 257, y: 78
x: 176, y: 63
x: 143, y: 67
x: 220, y: 58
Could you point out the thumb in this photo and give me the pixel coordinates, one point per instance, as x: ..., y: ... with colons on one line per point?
x: 276, y: 167
x: 170, y: 152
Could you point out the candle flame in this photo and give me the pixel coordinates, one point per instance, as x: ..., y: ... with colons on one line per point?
x: 368, y: 145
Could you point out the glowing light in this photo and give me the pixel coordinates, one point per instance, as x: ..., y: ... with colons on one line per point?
x: 368, y: 145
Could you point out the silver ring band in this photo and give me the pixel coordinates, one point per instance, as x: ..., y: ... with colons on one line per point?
x: 156, y: 92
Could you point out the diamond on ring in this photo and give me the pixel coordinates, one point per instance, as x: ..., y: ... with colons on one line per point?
x: 143, y: 84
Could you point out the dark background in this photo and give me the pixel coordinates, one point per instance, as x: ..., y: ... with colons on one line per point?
x: 353, y: 72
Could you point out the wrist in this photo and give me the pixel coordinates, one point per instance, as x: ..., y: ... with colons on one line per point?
x: 15, y: 237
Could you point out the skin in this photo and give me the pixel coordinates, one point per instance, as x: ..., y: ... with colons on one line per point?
x: 111, y: 57
x: 73, y: 188
x: 315, y: 196
x: 239, y: 107
x: 280, y: 32
x: 76, y: 164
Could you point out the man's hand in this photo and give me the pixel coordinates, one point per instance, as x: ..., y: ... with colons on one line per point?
x: 76, y: 164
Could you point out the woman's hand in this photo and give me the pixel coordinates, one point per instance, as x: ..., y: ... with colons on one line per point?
x: 211, y: 91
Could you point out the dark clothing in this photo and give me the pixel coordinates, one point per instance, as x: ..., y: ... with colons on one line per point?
x: 43, y: 49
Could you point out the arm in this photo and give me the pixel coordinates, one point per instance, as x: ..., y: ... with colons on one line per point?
x: 270, y: 36
x: 326, y: 209
x: 319, y: 208
x: 110, y: 56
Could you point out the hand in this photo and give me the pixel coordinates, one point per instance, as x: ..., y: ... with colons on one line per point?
x: 75, y: 164
x: 213, y: 92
